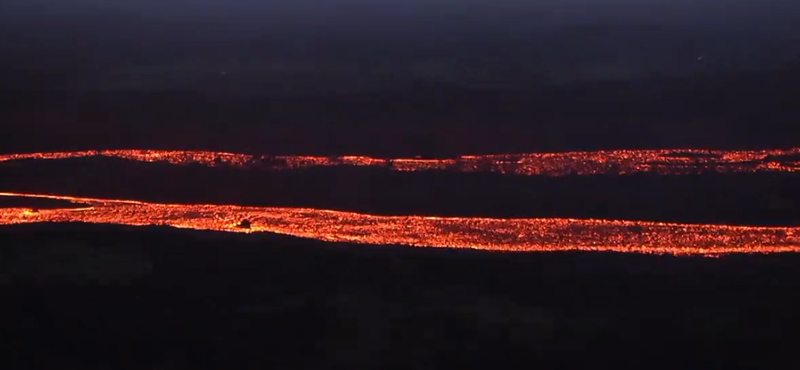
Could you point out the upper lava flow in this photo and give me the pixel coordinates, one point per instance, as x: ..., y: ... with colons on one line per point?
x: 614, y: 162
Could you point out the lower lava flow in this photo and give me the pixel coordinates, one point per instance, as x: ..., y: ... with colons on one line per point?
x: 529, y: 235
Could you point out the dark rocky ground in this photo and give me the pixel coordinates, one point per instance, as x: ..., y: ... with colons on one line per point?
x: 35, y: 203
x: 96, y: 296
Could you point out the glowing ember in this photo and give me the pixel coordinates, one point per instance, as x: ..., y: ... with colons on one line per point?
x: 667, y: 162
x: 480, y: 233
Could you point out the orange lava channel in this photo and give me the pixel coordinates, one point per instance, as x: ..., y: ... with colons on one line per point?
x: 666, y: 162
x: 529, y: 235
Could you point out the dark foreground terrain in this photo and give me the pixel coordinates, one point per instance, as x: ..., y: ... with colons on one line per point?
x: 99, y: 296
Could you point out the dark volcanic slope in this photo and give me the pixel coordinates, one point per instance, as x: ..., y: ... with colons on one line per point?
x: 156, y: 297
x: 714, y: 110
x: 36, y: 203
x: 754, y: 199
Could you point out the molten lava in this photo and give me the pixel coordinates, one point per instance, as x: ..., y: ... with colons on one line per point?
x: 616, y: 162
x: 543, y: 234
x: 450, y: 232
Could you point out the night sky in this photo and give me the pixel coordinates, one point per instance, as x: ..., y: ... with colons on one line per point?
x: 415, y: 77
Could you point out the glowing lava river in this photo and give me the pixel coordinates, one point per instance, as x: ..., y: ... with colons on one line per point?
x: 543, y: 235
x: 614, y: 162
x: 535, y: 234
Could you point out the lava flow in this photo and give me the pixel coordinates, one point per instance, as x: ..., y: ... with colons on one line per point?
x: 543, y: 234
x: 615, y: 162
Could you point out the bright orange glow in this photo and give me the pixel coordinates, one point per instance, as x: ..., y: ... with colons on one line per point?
x: 543, y: 234
x: 667, y: 162
x: 530, y: 235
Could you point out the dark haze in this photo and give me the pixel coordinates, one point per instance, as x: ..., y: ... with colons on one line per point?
x: 432, y: 78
